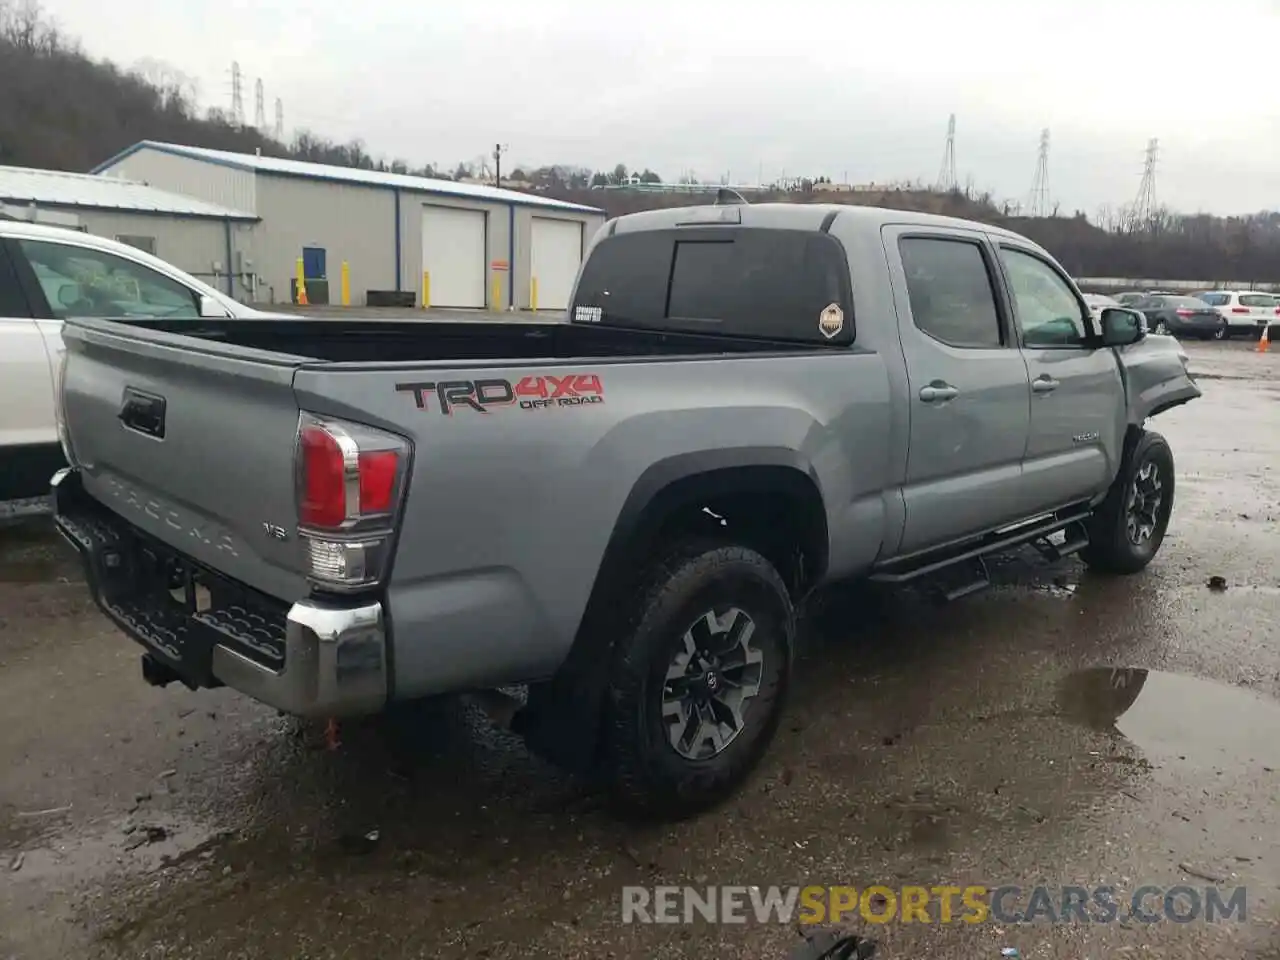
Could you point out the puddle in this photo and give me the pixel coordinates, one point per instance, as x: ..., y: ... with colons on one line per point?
x: 1175, y: 717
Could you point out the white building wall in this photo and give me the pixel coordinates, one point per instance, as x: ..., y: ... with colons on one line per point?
x: 226, y: 186
x: 351, y: 222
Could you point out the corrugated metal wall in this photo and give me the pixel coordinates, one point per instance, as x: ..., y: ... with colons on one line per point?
x: 351, y: 222
x: 226, y: 186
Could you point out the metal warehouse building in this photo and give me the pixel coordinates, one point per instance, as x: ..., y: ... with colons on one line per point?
x: 478, y: 246
x: 195, y: 235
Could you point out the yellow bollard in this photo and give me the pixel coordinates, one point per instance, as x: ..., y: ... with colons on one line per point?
x: 533, y: 294
x: 497, y: 292
x: 346, y: 284
x: 302, y: 285
x: 426, y: 289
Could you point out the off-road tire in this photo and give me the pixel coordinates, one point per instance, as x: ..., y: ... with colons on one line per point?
x: 647, y: 776
x: 1110, y: 548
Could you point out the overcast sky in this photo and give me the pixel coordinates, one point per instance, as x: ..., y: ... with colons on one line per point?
x: 801, y: 87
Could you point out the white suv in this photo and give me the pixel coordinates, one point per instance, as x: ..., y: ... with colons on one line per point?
x: 46, y: 275
x: 1246, y: 311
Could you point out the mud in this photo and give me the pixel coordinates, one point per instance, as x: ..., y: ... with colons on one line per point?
x: 1059, y: 729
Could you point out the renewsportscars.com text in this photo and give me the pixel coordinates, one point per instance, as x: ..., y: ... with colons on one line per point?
x: 1006, y: 904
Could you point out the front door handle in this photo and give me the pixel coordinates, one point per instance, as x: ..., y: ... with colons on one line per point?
x: 1044, y: 384
x: 935, y: 392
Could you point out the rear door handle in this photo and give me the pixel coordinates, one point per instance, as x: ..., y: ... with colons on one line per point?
x: 935, y: 392
x: 1044, y: 384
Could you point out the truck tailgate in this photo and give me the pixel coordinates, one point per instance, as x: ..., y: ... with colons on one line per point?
x: 192, y: 442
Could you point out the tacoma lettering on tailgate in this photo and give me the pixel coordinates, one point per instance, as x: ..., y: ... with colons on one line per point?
x: 529, y: 393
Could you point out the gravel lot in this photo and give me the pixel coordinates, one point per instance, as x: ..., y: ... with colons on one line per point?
x: 925, y: 745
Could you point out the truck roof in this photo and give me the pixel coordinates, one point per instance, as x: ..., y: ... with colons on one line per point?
x: 799, y: 216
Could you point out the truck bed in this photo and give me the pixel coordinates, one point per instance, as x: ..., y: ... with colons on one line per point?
x: 354, y: 340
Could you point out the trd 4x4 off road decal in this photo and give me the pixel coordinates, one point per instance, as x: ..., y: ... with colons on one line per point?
x: 529, y: 393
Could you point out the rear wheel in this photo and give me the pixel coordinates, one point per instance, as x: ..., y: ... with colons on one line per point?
x: 1221, y: 333
x: 1162, y: 327
x: 699, y: 680
x: 1126, y: 531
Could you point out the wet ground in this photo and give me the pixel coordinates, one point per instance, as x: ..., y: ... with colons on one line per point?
x: 1060, y: 729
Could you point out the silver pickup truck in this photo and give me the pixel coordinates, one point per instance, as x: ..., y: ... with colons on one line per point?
x: 621, y: 511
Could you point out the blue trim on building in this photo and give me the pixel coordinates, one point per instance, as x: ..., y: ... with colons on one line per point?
x: 349, y: 181
x: 511, y: 256
x: 231, y: 279
x: 399, y: 263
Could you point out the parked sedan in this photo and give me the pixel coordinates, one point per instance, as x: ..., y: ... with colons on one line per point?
x: 1182, y: 317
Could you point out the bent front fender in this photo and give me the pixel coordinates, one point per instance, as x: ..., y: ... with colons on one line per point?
x: 1156, y: 376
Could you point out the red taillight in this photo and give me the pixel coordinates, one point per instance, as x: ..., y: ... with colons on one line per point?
x: 1184, y: 312
x: 350, y: 482
x: 1239, y: 309
x: 378, y: 471
x: 323, y: 497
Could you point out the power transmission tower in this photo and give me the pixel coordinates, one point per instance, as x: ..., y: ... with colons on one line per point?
x: 498, y: 150
x: 1144, y: 208
x: 947, y: 175
x: 1039, y: 203
x: 237, y: 96
x: 259, y: 106
x: 279, y: 119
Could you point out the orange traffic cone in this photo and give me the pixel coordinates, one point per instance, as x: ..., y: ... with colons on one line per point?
x: 302, y: 295
x: 1264, y: 341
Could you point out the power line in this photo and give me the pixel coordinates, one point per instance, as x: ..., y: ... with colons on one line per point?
x: 947, y: 175
x: 1039, y: 204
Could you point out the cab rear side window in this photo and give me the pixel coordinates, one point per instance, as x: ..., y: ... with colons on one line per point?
x: 750, y: 282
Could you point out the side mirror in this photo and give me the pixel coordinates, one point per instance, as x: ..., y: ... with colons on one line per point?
x: 1121, y: 327
x: 211, y: 309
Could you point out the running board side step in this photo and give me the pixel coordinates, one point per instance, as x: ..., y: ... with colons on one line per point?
x: 1069, y: 522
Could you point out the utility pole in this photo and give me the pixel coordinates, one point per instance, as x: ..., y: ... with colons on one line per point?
x: 947, y: 175
x: 498, y: 150
x: 1040, y: 186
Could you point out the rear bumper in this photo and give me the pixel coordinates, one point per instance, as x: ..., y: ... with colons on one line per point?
x: 308, y: 659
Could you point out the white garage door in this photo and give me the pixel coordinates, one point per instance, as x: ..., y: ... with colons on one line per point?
x: 453, y: 253
x: 556, y: 255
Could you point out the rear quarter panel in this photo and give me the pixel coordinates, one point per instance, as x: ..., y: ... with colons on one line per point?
x: 509, y: 512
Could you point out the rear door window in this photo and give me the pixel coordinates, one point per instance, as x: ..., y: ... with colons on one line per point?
x: 1217, y: 299
x: 949, y: 286
x: 770, y: 284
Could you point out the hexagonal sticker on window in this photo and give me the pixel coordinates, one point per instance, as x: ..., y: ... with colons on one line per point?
x: 831, y: 320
